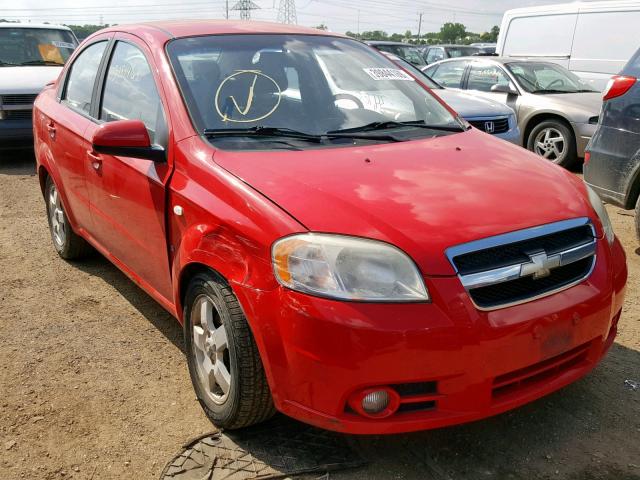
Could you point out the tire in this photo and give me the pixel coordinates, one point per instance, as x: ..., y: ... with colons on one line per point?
x: 225, y: 339
x: 67, y: 243
x: 555, y: 141
x: 637, y: 219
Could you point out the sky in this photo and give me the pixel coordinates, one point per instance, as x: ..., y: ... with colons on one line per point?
x: 388, y: 15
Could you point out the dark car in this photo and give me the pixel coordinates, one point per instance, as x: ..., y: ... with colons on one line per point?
x: 410, y: 53
x: 435, y: 53
x: 612, y: 163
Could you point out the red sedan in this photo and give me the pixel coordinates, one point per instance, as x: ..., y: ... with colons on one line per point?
x: 337, y: 243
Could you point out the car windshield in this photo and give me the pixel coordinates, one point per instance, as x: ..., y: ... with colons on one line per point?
x: 300, y: 85
x: 455, y: 52
x: 35, y: 46
x: 543, y: 77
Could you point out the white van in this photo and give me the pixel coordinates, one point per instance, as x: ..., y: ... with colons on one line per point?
x: 31, y: 55
x: 592, y: 39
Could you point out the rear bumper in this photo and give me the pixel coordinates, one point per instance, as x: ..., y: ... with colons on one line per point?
x: 318, y: 352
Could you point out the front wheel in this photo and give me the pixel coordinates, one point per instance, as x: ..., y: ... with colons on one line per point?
x: 555, y: 141
x: 224, y: 363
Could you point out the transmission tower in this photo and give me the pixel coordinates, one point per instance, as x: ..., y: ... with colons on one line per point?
x: 287, y: 12
x: 245, y: 7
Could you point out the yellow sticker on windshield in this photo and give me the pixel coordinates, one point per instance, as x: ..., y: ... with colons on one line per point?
x: 50, y: 53
x: 247, y: 96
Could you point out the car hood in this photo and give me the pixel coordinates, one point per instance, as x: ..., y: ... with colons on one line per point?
x: 578, y: 106
x: 422, y: 196
x: 469, y: 106
x: 26, y: 80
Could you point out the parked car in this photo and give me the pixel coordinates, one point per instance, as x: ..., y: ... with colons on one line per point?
x: 356, y: 271
x: 612, y: 165
x: 485, y: 48
x: 557, y: 113
x: 486, y: 115
x: 409, y: 52
x: 31, y: 55
x: 435, y: 53
x: 594, y: 40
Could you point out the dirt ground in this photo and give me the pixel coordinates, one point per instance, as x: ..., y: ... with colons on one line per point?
x: 94, y: 383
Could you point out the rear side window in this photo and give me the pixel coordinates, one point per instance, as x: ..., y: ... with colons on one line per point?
x: 483, y: 77
x: 130, y: 91
x: 450, y: 74
x: 82, y: 77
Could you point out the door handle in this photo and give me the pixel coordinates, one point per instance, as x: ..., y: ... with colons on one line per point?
x: 96, y: 161
x: 52, y: 130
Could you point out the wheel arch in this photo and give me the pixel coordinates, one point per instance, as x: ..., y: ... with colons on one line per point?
x: 538, y: 118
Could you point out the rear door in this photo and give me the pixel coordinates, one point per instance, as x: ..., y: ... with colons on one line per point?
x: 127, y: 195
x: 66, y: 122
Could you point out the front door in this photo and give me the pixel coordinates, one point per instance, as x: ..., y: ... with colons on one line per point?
x: 127, y: 195
x: 483, y: 76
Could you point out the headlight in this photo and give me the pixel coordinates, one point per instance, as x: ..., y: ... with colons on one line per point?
x: 347, y: 268
x: 598, y: 206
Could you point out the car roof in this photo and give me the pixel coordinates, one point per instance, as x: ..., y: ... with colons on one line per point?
x: 388, y: 42
x: 191, y: 28
x: 494, y: 59
x: 33, y: 25
x: 451, y: 45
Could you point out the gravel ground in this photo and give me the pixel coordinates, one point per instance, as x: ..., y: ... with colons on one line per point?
x: 94, y: 383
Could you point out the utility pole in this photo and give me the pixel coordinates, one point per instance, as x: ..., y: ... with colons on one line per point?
x: 420, y: 25
x: 287, y: 12
x: 227, y: 10
x: 358, y: 23
x: 245, y: 7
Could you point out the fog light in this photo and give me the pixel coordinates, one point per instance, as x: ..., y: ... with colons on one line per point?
x: 375, y: 402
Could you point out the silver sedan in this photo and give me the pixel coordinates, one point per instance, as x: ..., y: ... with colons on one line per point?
x: 557, y: 113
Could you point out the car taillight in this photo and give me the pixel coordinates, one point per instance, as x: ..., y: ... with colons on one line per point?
x: 617, y: 86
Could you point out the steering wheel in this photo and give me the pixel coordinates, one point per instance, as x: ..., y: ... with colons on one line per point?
x: 349, y: 97
x: 557, y: 80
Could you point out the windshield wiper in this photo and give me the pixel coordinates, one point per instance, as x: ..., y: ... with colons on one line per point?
x: 290, y: 133
x: 7, y: 64
x: 41, y: 62
x: 262, y: 132
x: 545, y: 90
x: 376, y: 126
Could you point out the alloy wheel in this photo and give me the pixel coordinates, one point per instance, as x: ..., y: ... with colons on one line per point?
x: 211, y: 350
x: 56, y: 215
x: 551, y: 144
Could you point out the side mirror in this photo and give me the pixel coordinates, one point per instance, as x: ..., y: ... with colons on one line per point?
x: 126, y: 138
x: 502, y: 88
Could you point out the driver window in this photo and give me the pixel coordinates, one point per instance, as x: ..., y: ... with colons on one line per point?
x: 130, y: 91
x: 483, y: 77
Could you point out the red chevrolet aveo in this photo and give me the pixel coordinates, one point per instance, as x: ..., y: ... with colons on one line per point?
x: 337, y: 243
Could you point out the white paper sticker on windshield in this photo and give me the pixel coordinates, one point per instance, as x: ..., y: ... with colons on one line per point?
x: 63, y: 44
x: 387, y: 74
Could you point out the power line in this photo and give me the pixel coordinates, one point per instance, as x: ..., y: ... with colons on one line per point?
x: 287, y: 12
x: 245, y: 7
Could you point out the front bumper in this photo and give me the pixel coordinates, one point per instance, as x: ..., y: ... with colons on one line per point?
x: 318, y: 352
x: 16, y: 134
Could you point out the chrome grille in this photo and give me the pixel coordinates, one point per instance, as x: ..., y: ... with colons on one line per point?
x: 492, y: 125
x: 527, y: 264
x: 18, y: 99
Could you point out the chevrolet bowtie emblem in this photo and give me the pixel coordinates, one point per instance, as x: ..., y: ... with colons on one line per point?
x: 540, y: 265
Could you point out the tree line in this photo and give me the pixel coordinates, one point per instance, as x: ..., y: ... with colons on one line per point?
x: 455, y: 33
